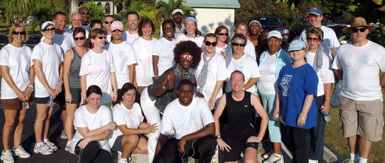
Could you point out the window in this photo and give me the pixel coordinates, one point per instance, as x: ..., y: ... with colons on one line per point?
x: 108, y: 8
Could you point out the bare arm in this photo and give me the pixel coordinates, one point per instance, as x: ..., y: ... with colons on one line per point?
x: 87, y: 133
x: 277, y: 103
x: 114, y: 87
x: 262, y: 113
x: 28, y: 91
x: 250, y: 83
x: 209, y: 129
x: 66, y: 70
x: 166, y: 83
x: 217, y: 114
x: 328, y: 95
x: 83, y: 87
x: 382, y: 80
x: 213, y: 98
x: 40, y: 75
x: 144, y: 128
x: 155, y: 60
x: 131, y: 71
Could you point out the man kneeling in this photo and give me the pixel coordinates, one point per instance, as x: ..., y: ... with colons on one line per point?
x: 190, y: 122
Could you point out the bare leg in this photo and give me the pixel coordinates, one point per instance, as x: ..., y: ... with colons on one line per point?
x: 364, y: 147
x: 142, y: 146
x: 10, y: 118
x: 19, y: 128
x: 250, y: 155
x: 64, y: 117
x: 353, y: 144
x: 41, y: 116
x: 277, y: 148
x: 69, y: 129
x: 129, y: 143
x: 48, y: 120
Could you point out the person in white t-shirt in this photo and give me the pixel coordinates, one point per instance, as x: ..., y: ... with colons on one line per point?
x: 76, y: 21
x: 107, y: 26
x: 98, y: 68
x: 190, y: 123
x: 124, y: 56
x: 239, y: 60
x: 128, y: 116
x: 192, y: 33
x: 320, y: 60
x: 177, y: 18
x: 209, y: 74
x: 47, y: 58
x: 144, y: 48
x: 16, y: 89
x: 163, y: 57
x: 242, y: 28
x: 330, y: 40
x: 357, y: 63
x: 93, y: 124
x: 132, y: 33
x: 223, y: 36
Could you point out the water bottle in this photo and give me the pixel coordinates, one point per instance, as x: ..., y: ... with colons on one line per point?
x: 327, y: 117
x: 50, y: 101
x: 25, y: 103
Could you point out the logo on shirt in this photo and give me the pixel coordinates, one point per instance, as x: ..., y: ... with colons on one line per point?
x: 246, y: 106
x: 285, y: 84
x: 365, y: 58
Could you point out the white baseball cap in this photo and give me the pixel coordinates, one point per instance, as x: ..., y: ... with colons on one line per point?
x: 176, y: 11
x: 274, y: 33
x: 45, y: 24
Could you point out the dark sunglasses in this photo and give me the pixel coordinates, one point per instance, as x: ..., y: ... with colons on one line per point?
x: 79, y: 38
x: 223, y: 34
x: 312, y: 39
x: 186, y: 56
x: 17, y: 33
x: 49, y: 29
x: 108, y: 22
x: 236, y: 44
x: 355, y: 30
x: 101, y: 37
x: 86, y: 13
x: 208, y: 43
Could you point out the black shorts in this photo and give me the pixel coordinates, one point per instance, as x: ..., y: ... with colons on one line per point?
x: 235, y: 152
x: 76, y: 94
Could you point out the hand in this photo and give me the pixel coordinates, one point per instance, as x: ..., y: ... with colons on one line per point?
x: 111, y: 126
x: 28, y: 92
x: 325, y: 108
x: 21, y: 95
x: 224, y: 54
x: 222, y: 145
x: 170, y: 83
x: 51, y: 92
x: 276, y: 112
x: 254, y: 139
x: 114, y: 96
x: 181, y: 144
x: 151, y: 128
x: 212, y: 101
x: 58, y: 88
x: 301, y: 120
x: 84, y: 143
x: 68, y: 98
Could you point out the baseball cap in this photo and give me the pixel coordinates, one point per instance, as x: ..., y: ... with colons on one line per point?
x: 315, y: 11
x: 274, y: 33
x: 45, y: 24
x: 178, y: 10
x: 117, y: 25
x: 296, y: 45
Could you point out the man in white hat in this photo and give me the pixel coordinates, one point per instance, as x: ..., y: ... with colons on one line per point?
x: 357, y: 63
x: 177, y: 17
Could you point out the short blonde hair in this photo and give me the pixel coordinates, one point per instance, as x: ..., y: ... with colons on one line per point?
x: 13, y: 28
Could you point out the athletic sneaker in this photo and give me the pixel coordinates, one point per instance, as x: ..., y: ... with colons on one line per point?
x: 348, y: 161
x: 63, y: 135
x: 313, y: 161
x: 6, y: 156
x: 44, y: 149
x: 68, y: 148
x: 51, y: 145
x: 274, y: 158
x: 19, y: 151
x: 122, y: 160
x: 119, y: 155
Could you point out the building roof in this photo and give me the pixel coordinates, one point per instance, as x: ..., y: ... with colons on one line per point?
x: 210, y: 3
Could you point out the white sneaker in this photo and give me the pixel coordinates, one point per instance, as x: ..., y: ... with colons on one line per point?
x: 313, y: 161
x: 119, y: 156
x: 63, y: 135
x: 19, y: 151
x: 274, y: 158
x: 51, y: 145
x: 122, y: 160
x: 348, y: 161
x: 6, y: 156
x: 68, y: 148
x: 44, y: 149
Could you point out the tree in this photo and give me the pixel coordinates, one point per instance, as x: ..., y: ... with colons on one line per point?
x: 167, y: 8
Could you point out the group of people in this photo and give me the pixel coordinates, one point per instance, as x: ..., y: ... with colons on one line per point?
x: 182, y: 95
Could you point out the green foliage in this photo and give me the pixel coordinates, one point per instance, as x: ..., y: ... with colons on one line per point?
x: 167, y: 8
x: 41, y: 16
x: 96, y: 12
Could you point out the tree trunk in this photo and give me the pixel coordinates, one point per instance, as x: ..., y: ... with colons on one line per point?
x: 382, y: 31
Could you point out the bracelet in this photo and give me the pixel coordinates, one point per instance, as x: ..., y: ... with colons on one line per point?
x: 328, y: 98
x: 61, y: 81
x: 302, y: 117
x: 30, y: 85
x: 115, y: 90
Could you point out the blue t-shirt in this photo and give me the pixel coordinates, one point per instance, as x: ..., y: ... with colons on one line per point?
x: 295, y: 84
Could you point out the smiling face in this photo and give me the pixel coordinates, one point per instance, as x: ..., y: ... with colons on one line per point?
x: 18, y: 35
x: 186, y: 93
x: 255, y: 28
x: 237, y: 48
x: 85, y: 14
x: 117, y: 34
x: 60, y: 22
x: 241, y: 30
x: 49, y: 32
x: 94, y: 100
x: 297, y: 55
x: 168, y: 30
x: 315, y: 20
x: 186, y: 60
x: 107, y: 22
x: 129, y: 97
x: 76, y: 20
x: 359, y: 36
x: 223, y: 35
x: 80, y: 39
x: 274, y: 44
x: 237, y: 81
x: 190, y: 27
x: 313, y: 41
x: 177, y: 18
x: 147, y: 30
x: 99, y: 41
x: 210, y: 49
x: 132, y: 21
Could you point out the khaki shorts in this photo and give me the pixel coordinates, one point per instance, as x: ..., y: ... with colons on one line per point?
x: 363, y: 118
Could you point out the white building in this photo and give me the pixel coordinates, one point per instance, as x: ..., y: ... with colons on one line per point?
x: 110, y: 7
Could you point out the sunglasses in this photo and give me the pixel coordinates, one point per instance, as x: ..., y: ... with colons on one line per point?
x: 108, y: 22
x: 79, y: 38
x: 312, y: 39
x: 17, y: 33
x: 49, y: 29
x: 208, y: 43
x: 223, y: 34
x: 236, y: 44
x: 355, y: 30
x: 186, y: 56
x: 86, y: 13
x: 101, y: 37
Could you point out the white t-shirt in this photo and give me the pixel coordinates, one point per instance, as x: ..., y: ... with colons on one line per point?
x: 123, y: 116
x: 325, y: 74
x: 248, y: 66
x: 164, y: 49
x: 98, y: 68
x: 330, y: 39
x: 108, y: 37
x: 69, y: 33
x: 51, y: 57
x: 214, y: 74
x: 124, y: 55
x: 129, y: 37
x: 63, y: 40
x: 83, y: 118
x: 198, y: 40
x: 184, y: 120
x: 18, y: 61
x: 250, y: 50
x: 144, y: 50
x: 267, y: 68
x: 220, y: 50
x: 360, y: 66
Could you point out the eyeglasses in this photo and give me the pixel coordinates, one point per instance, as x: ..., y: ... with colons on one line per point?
x: 85, y: 13
x: 17, y: 32
x: 223, y: 34
x: 312, y: 39
x: 108, y: 22
x: 101, y: 37
x: 186, y: 56
x: 236, y: 44
x: 208, y: 43
x: 79, y: 38
x: 355, y: 30
x: 49, y: 29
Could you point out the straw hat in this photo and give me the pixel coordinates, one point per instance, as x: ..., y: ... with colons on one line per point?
x: 358, y: 22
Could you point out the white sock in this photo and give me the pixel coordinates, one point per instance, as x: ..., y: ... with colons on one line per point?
x: 352, y: 156
x: 38, y: 144
x: 45, y: 140
x: 362, y: 160
x: 68, y: 143
x: 279, y: 155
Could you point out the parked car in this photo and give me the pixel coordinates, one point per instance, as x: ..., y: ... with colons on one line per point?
x: 274, y: 23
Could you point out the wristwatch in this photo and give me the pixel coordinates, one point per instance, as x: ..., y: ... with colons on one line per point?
x: 218, y: 136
